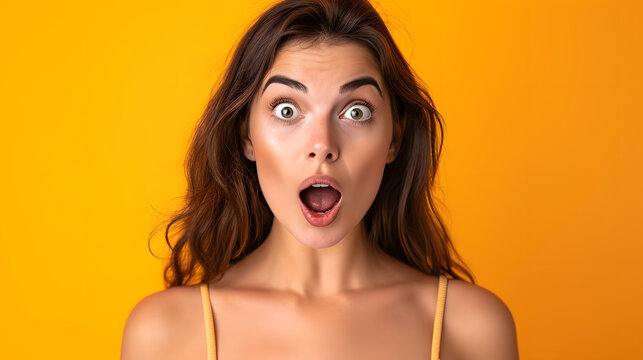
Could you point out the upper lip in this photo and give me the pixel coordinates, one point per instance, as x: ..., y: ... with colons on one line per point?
x: 319, y: 179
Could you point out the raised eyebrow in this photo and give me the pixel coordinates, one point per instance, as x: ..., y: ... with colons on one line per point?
x: 280, y: 79
x: 354, y: 84
x: 351, y: 85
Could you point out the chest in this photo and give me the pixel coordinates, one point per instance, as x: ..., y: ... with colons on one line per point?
x: 371, y: 327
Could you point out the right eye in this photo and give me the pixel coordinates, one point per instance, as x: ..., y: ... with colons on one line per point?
x: 285, y: 111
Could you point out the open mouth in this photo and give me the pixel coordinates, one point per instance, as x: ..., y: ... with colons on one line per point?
x: 320, y: 198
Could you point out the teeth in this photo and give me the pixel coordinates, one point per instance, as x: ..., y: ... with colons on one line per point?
x: 320, y: 185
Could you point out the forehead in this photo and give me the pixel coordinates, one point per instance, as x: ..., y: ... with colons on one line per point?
x: 324, y: 63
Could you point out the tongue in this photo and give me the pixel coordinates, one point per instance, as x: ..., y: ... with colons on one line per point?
x: 320, y: 199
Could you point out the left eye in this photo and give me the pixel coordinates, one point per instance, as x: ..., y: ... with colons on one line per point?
x: 358, y: 112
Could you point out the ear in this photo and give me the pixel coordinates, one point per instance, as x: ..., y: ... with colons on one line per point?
x: 394, y: 148
x: 248, y: 148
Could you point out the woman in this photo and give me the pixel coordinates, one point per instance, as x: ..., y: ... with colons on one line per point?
x: 309, y: 224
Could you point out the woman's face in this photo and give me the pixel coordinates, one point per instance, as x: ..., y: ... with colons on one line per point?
x: 321, y: 110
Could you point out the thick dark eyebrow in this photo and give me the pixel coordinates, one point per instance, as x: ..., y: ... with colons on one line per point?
x: 351, y: 85
x: 279, y: 79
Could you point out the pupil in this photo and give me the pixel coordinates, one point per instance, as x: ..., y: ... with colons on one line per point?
x: 286, y: 112
x: 356, y: 113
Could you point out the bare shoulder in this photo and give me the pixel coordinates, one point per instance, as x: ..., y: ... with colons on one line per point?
x: 477, y: 324
x: 159, y: 323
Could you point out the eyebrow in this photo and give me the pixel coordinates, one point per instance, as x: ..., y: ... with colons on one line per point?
x: 351, y: 85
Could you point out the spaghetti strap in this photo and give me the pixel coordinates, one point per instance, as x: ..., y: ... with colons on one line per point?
x: 209, y: 322
x: 437, y: 323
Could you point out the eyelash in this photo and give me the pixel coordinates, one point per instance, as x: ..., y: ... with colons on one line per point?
x: 370, y: 107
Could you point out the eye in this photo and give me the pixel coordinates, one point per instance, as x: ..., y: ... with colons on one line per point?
x: 358, y: 112
x: 285, y: 111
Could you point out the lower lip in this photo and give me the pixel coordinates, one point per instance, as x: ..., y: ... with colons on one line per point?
x: 324, y: 219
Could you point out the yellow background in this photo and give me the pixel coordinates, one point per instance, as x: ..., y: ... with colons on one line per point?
x: 541, y: 173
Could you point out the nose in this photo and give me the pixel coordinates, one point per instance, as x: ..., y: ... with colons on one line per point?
x: 322, y: 145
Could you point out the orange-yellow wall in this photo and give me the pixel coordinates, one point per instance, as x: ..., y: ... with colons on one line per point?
x: 541, y: 173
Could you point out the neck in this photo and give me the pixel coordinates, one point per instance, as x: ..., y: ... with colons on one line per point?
x: 281, y: 262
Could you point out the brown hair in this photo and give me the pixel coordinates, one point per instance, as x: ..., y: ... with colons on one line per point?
x: 225, y: 216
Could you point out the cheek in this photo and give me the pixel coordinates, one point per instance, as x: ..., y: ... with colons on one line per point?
x: 274, y: 167
x: 267, y: 155
x: 367, y: 164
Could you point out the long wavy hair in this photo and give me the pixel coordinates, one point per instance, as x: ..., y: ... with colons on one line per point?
x: 225, y: 216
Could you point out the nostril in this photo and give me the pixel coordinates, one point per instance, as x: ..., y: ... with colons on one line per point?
x: 329, y: 156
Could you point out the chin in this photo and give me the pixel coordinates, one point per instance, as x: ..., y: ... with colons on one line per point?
x: 319, y: 238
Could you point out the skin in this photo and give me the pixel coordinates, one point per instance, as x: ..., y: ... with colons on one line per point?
x: 319, y: 292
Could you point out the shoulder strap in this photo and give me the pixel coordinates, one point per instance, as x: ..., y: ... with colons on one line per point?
x: 209, y: 322
x: 437, y: 323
